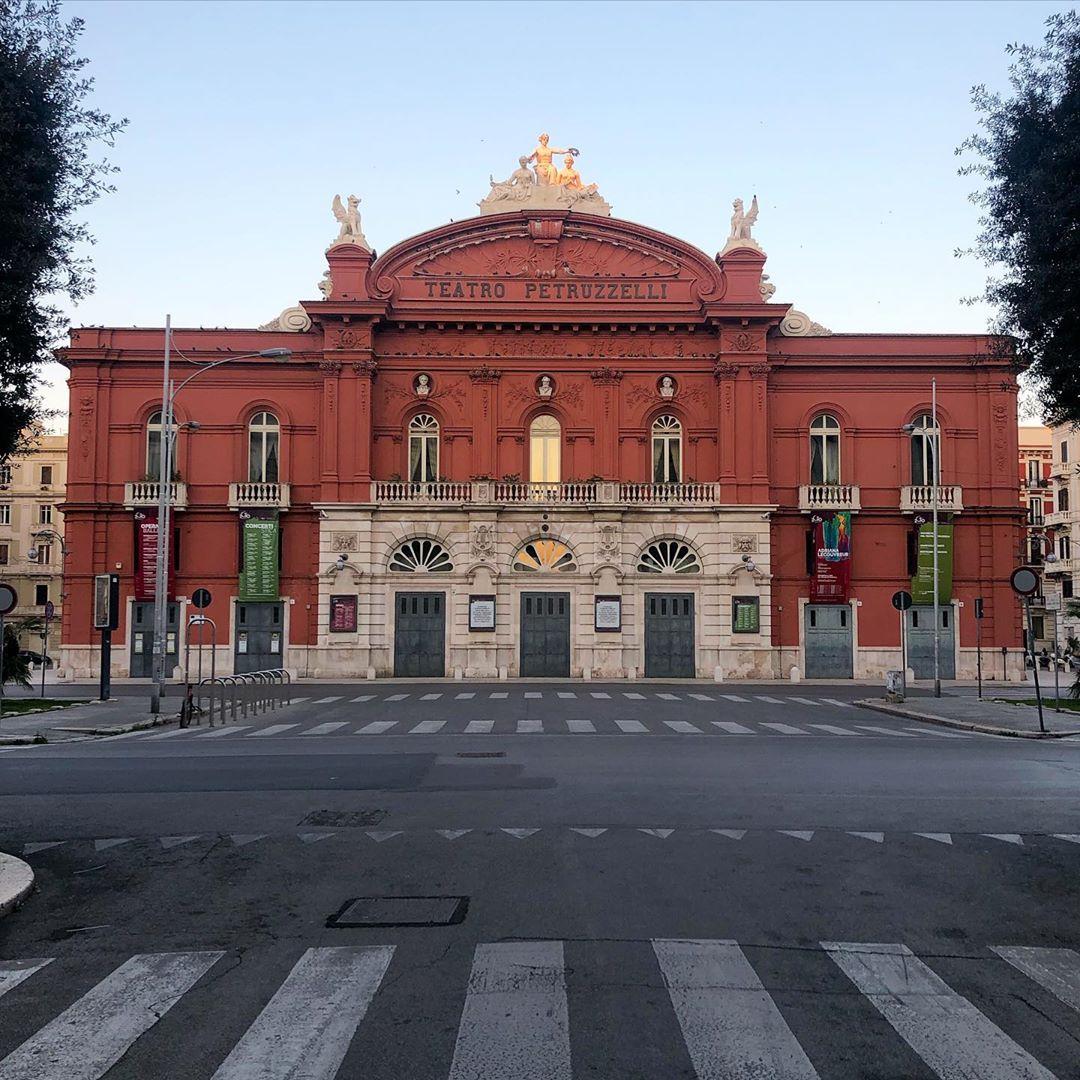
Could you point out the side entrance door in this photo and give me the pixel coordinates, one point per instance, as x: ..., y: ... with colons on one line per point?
x: 828, y: 641
x: 259, y: 637
x: 545, y: 634
x: 142, y: 640
x: 419, y: 635
x: 920, y: 641
x: 669, y: 636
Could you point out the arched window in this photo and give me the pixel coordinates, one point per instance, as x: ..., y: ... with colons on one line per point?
x: 153, y: 446
x: 545, y: 445
x: 418, y: 556
x: 669, y: 557
x: 666, y: 450
x: 925, y: 441
x: 423, y: 448
x: 539, y: 556
x: 264, y: 437
x: 825, y: 450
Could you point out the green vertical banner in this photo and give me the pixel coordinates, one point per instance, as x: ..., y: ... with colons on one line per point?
x: 922, y: 584
x: 259, y: 577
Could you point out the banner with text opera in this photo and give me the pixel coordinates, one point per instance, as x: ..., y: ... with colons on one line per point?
x: 831, y: 578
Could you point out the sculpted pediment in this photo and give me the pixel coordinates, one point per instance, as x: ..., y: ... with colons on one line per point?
x: 516, y: 259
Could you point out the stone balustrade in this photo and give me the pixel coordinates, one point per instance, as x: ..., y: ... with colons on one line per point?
x: 919, y: 498
x: 146, y: 493
x: 251, y: 493
x: 829, y: 497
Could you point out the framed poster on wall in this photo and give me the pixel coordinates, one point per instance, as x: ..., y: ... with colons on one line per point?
x: 608, y: 613
x: 481, y: 612
x: 745, y: 615
x: 342, y: 614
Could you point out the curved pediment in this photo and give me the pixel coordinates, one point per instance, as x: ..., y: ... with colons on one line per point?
x: 505, y: 262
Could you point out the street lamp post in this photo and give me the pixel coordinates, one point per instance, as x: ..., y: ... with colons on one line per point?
x: 165, y: 468
x: 32, y: 554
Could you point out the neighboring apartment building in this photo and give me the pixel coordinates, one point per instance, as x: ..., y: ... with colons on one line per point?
x: 32, y: 533
x: 1037, y: 499
x: 1065, y: 490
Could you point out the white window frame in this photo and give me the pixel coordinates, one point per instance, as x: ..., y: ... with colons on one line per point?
x: 45, y: 514
x: 925, y: 451
x: 424, y: 434
x: 264, y: 431
x: 545, y: 450
x: 5, y: 513
x: 825, y: 431
x: 666, y: 437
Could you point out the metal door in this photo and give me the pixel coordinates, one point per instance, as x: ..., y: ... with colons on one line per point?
x: 545, y: 634
x: 419, y: 635
x: 141, y: 665
x: 669, y: 636
x: 920, y: 641
x: 828, y: 641
x: 260, y: 637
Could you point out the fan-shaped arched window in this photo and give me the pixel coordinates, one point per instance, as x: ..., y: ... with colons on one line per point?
x: 669, y: 557
x: 154, y: 429
x: 423, y: 448
x: 545, y: 445
x: 825, y: 450
x: 264, y: 438
x: 666, y: 450
x: 541, y: 555
x: 925, y: 447
x: 421, y: 555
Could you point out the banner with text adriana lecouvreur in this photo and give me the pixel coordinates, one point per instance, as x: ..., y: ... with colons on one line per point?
x: 259, y: 577
x: 831, y: 579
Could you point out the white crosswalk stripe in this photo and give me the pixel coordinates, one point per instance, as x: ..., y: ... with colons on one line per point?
x: 464, y: 697
x: 430, y: 697
x: 833, y: 730
x: 804, y: 701
x: 634, y: 697
x: 308, y: 1024
x: 514, y: 1019
x: 735, y: 697
x: 324, y: 729
x: 566, y: 694
x: 515, y: 1024
x: 1056, y: 970
x: 702, y: 697
x: 731, y: 1025
x: 479, y: 727
x: 298, y: 700
x: 170, y: 734
x: 427, y: 727
x: 87, y: 1039
x: 938, y: 733
x: 733, y: 728
x: 837, y: 703
x: 533, y: 694
x: 218, y: 733
x: 362, y: 698
x: 600, y: 694
x: 784, y: 729
x: 581, y: 727
x: 631, y: 727
x: 273, y: 729
x: 397, y: 697
x: 683, y: 727
x: 770, y: 700
x: 498, y: 696
x: 943, y: 1028
x: 530, y: 727
x: 887, y: 731
x: 326, y: 700
x: 668, y: 697
x: 377, y: 727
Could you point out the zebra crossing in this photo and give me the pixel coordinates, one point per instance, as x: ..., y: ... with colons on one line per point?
x: 556, y: 725
x: 523, y: 1010
x: 397, y: 697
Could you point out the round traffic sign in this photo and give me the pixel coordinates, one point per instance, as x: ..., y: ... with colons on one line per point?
x: 9, y: 599
x: 902, y: 600
x: 1024, y: 581
x: 201, y: 598
x: 50, y: 609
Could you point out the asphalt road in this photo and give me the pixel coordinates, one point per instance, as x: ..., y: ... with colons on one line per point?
x: 818, y: 894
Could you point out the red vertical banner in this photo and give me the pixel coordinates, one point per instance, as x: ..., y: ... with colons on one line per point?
x: 146, y: 549
x: 831, y: 579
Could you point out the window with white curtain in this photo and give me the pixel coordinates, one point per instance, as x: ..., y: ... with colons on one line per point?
x: 667, y: 450
x: 423, y: 448
x: 825, y: 450
x: 264, y: 448
x: 925, y: 447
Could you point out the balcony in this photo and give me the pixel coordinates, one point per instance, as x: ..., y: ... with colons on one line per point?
x: 145, y: 493
x: 919, y: 498
x: 523, y: 493
x: 828, y: 497
x: 1059, y: 519
x: 250, y: 493
x: 1061, y: 470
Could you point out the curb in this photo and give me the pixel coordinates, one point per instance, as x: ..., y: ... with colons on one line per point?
x: 16, y: 882
x: 966, y: 725
x: 124, y: 729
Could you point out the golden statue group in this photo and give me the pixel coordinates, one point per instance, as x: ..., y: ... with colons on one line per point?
x: 545, y: 184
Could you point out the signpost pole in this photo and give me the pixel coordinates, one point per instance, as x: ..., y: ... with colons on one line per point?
x: 903, y: 650
x: 1034, y: 662
x: 937, y: 599
x: 106, y: 664
x: 3, y: 654
x: 9, y: 601
x: 978, y: 641
x: 1057, y: 653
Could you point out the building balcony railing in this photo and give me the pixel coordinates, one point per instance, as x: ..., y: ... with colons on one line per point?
x: 1059, y: 519
x: 919, y: 498
x: 828, y: 497
x: 251, y: 493
x: 146, y: 492
x: 570, y: 493
x: 1061, y: 469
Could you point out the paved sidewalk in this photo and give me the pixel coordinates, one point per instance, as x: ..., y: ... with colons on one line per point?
x: 117, y: 716
x: 16, y: 882
x: 989, y: 716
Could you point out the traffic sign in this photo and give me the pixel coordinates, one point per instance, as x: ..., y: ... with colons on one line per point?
x: 1024, y: 581
x: 901, y: 600
x: 50, y: 609
x: 9, y: 599
x: 978, y: 607
x: 201, y: 598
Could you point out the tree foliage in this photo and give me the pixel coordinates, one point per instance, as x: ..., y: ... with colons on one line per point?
x: 1029, y: 151
x: 48, y: 136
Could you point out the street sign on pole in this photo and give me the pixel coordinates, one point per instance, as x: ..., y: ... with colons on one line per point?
x: 9, y: 600
x: 1025, y: 583
x: 201, y: 598
x: 901, y: 600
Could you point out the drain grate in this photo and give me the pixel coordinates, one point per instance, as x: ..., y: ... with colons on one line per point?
x: 344, y: 819
x: 400, y: 911
x: 481, y: 753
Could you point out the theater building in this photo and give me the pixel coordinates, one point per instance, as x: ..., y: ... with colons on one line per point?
x: 545, y: 441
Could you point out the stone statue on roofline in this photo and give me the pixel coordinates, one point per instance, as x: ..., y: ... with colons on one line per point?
x: 349, y: 218
x: 742, y: 221
x: 546, y: 187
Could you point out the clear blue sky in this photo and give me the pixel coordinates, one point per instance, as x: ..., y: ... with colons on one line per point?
x: 246, y: 119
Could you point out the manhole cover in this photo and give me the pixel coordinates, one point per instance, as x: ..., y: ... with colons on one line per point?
x: 481, y: 753
x: 401, y: 911
x: 344, y: 819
